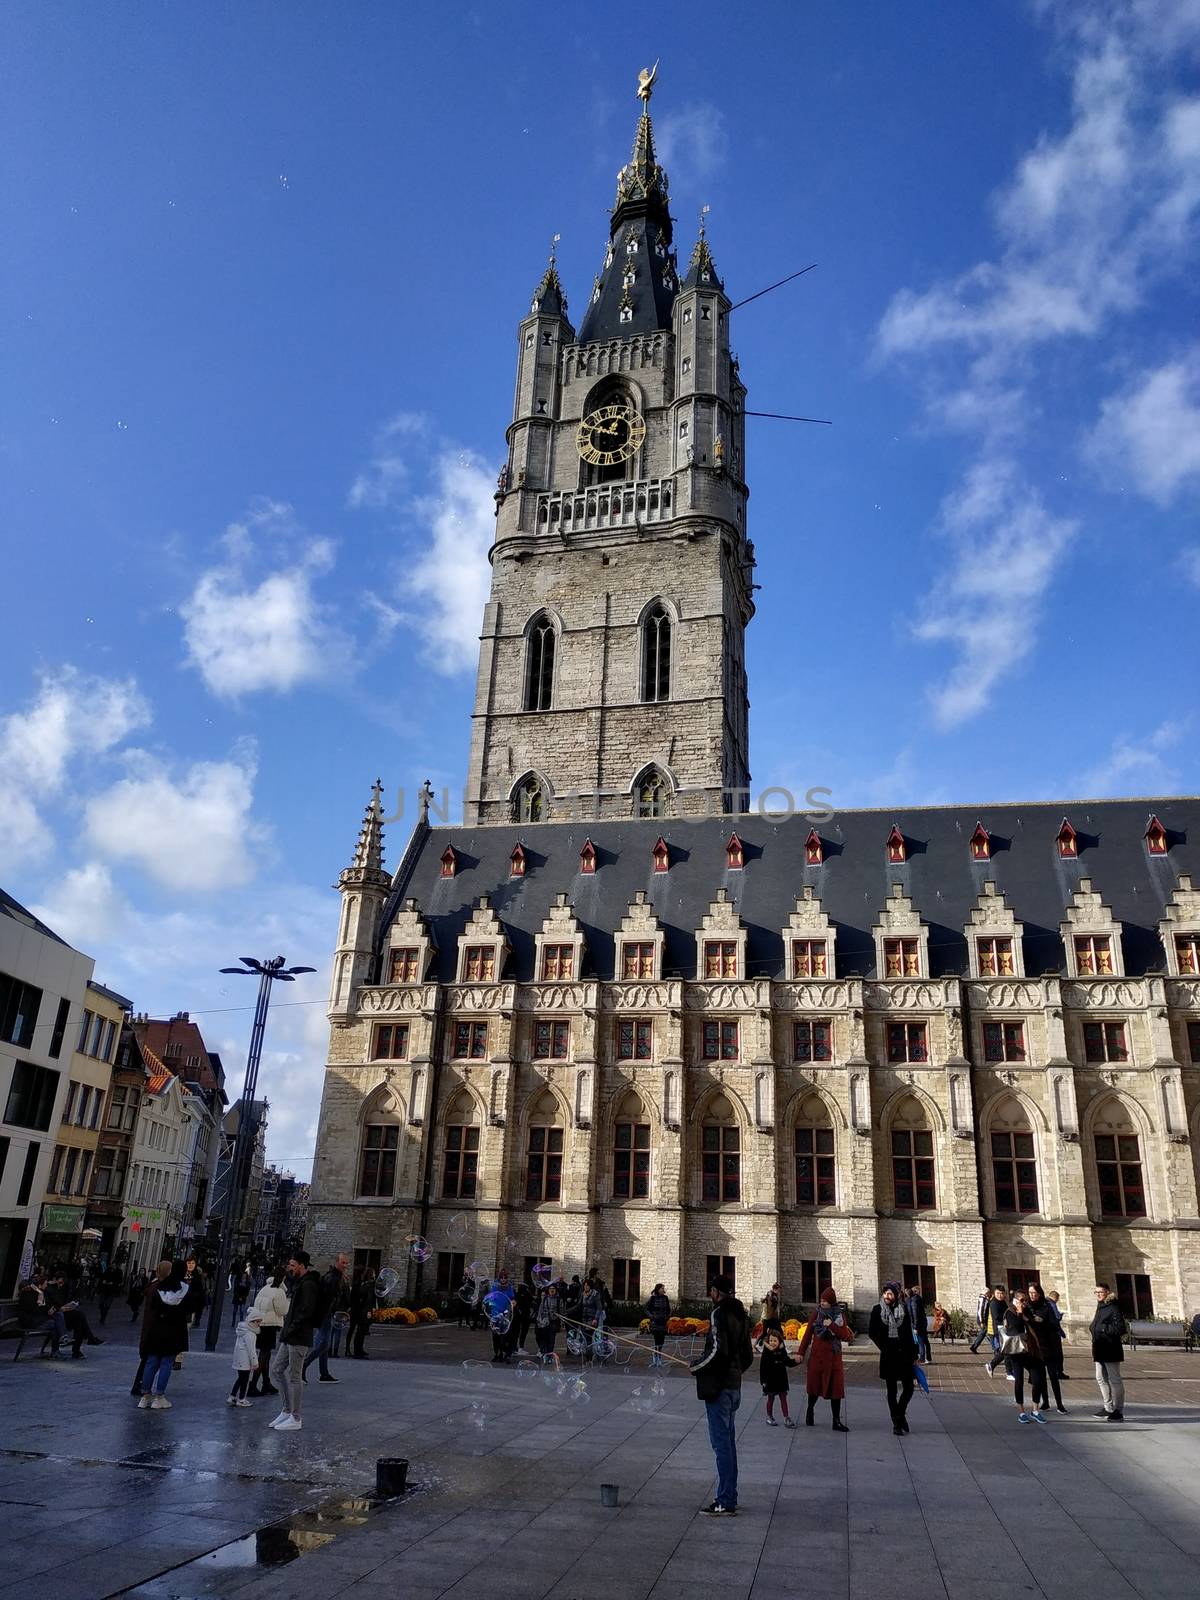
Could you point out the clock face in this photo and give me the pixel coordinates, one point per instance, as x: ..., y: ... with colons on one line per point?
x: 610, y: 435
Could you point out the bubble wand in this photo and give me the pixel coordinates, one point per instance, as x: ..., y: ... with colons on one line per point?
x: 621, y: 1338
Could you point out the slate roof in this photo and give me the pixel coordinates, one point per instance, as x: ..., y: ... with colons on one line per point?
x: 19, y: 913
x: 853, y: 883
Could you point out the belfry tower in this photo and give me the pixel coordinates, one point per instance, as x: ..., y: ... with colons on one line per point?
x: 612, y: 676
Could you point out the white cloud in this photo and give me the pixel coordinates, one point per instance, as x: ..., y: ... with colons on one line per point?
x: 72, y: 716
x: 1152, y: 429
x: 191, y: 831
x: 385, y: 478
x: 450, y: 575
x: 1189, y: 564
x: 1005, y: 549
x: 246, y: 632
x: 692, y: 143
x: 1136, y: 765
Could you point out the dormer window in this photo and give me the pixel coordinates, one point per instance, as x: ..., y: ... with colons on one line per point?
x: 516, y: 861
x: 1093, y: 956
x: 981, y: 844
x: 1156, y: 837
x: 626, y: 314
x: 897, y: 847
x: 662, y: 856
x: 814, y: 850
x: 449, y: 862
x: 901, y: 958
x: 479, y: 963
x: 558, y: 962
x: 735, y: 854
x: 587, y: 857
x: 720, y: 958
x: 1068, y: 841
x: 809, y: 958
x: 403, y: 966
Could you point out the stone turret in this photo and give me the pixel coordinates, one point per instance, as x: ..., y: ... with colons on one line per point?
x: 364, y: 887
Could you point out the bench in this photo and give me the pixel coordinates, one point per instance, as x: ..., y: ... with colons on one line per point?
x: 1161, y: 1333
x: 10, y: 1328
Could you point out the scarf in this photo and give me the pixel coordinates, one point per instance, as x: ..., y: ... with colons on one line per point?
x: 893, y: 1317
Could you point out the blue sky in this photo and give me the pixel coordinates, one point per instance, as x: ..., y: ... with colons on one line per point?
x: 261, y: 273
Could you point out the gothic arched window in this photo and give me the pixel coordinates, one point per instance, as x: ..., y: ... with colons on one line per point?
x: 539, y: 664
x: 631, y: 1151
x: 1119, y: 1165
x: 913, y: 1185
x: 720, y: 1153
x: 379, y: 1149
x: 651, y: 794
x: 460, y: 1159
x: 1014, y: 1159
x: 544, y: 1151
x: 529, y: 802
x: 656, y: 655
x: 816, y: 1183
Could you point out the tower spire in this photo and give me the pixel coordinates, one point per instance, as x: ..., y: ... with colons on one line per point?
x: 550, y: 298
x: 702, y: 272
x: 366, y: 865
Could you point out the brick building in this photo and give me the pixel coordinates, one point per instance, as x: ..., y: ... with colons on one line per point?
x: 619, y: 1018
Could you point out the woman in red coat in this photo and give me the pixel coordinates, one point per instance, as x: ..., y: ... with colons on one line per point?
x: 824, y: 1336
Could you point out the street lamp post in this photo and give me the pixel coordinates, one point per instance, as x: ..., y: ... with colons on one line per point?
x: 267, y: 973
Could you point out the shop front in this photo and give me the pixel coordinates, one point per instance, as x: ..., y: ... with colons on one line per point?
x: 60, y: 1233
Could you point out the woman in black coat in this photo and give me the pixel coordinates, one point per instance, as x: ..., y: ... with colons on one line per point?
x: 164, y: 1333
x: 1020, y: 1330
x: 891, y: 1332
x: 1044, y: 1317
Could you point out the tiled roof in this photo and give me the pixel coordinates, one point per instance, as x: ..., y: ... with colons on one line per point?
x: 852, y: 882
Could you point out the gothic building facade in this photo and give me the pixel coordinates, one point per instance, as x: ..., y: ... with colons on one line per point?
x: 616, y: 1018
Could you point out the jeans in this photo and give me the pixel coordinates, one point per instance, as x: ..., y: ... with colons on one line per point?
x: 287, y: 1368
x: 320, y: 1348
x: 1112, y: 1385
x: 159, y: 1367
x: 722, y: 1435
x: 336, y: 1330
x: 1037, y: 1381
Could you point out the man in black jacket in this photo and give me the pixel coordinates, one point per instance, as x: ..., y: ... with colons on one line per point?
x: 1108, y: 1329
x: 335, y: 1297
x: 295, y: 1337
x: 726, y: 1355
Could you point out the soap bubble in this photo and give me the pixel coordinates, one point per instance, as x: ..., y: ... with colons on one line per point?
x: 577, y: 1391
x: 386, y: 1282
x: 479, y: 1414
x: 501, y: 1323
x: 602, y: 1347
x: 476, y: 1270
x: 527, y: 1370
x: 456, y: 1226
x: 576, y: 1341
x: 496, y: 1303
x: 419, y: 1249
x: 541, y: 1274
x: 658, y: 1388
x: 641, y: 1401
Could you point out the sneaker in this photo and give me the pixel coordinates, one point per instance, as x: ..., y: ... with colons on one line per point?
x: 718, y: 1510
x: 144, y: 1403
x: 771, y: 1423
x: 328, y: 1377
x: 244, y: 1404
x: 292, y: 1425
x: 1063, y: 1409
x: 1103, y: 1415
x: 789, y: 1422
x: 94, y: 1340
x: 284, y: 1416
x: 989, y: 1369
x: 1038, y: 1417
x: 1115, y: 1416
x: 1010, y: 1377
x: 1023, y: 1416
x: 160, y: 1403
x: 840, y: 1427
x: 230, y: 1400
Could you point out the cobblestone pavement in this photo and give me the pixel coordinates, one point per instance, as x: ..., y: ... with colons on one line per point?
x: 99, y: 1499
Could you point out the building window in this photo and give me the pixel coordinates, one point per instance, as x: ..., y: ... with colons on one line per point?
x: 1156, y: 837
x: 815, y: 1278
x: 56, y: 1161
x: 912, y: 1160
x: 719, y: 1041
x: 449, y: 861
x: 587, y: 857
x: 19, y: 1003
x: 25, y: 1187
x: 981, y: 844
x: 652, y: 799
x: 31, y: 1096
x: 1068, y: 841
x: 656, y: 655
x: 662, y: 855
x: 123, y: 1109
x: 1133, y: 1295
x: 517, y: 860
x: 1119, y: 1175
x: 626, y: 1279
x: 809, y: 958
x: 85, y: 1167
x: 539, y: 668
x: 720, y: 1162
x: 111, y: 1167
x: 529, y: 1263
x: 735, y: 853
x: 897, y: 847
x: 995, y: 958
x: 1004, y: 1041
x: 635, y: 1040
x: 1193, y: 1033
x: 901, y: 958
x: 923, y: 1280
x: 69, y: 1103
x: 812, y: 1041
x: 543, y: 1176
x: 60, y: 1028
x: 530, y: 804
x: 403, y: 966
x: 479, y: 963
x: 551, y: 1040
x: 1093, y: 956
x: 1187, y: 954
x: 720, y: 1266
x: 460, y: 1169
x: 367, y: 1259
x: 82, y: 1105
x: 68, y: 1172
x: 637, y: 960
x: 470, y: 1041
x: 631, y: 1161
x: 1014, y: 1170
x: 815, y: 1179
x: 558, y: 962
x: 450, y: 1271
x: 391, y: 1041
x: 720, y: 958
x: 377, y: 1170
x: 1105, y: 1041
x: 814, y: 850
x: 907, y: 1041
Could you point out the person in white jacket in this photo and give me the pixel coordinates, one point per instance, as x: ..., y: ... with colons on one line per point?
x: 270, y: 1307
x: 245, y: 1359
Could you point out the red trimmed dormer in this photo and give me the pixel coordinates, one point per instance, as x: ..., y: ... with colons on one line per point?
x: 814, y: 850
x: 662, y: 856
x: 1156, y: 838
x: 897, y: 846
x: 981, y: 844
x: 735, y: 854
x: 587, y: 857
x: 516, y: 861
x: 449, y: 861
x: 1067, y: 841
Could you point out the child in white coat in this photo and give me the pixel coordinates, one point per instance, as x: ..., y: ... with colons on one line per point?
x: 245, y: 1359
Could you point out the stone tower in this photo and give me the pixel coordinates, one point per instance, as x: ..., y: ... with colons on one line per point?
x: 612, y: 675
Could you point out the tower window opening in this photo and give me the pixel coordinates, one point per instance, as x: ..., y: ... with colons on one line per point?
x: 656, y: 658
x: 539, y: 672
x: 652, y: 796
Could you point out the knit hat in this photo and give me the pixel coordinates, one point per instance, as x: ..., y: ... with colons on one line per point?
x: 722, y: 1284
x: 828, y: 1298
x: 895, y: 1288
